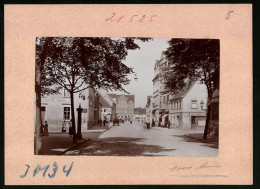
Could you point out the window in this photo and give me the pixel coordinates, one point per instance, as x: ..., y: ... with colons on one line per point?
x: 66, y: 93
x: 66, y: 113
x: 194, y: 104
x: 167, y: 98
x: 164, y: 99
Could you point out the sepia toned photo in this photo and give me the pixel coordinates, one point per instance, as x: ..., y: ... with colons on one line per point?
x: 127, y: 96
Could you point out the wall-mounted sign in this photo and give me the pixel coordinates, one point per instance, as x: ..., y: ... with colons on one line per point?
x: 55, y: 100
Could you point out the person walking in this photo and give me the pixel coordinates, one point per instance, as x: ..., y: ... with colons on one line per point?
x: 42, y: 132
x: 104, y: 122
x: 63, y: 126
x: 46, y: 131
x: 70, y: 128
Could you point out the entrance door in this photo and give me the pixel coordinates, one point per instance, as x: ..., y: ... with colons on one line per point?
x: 193, y: 122
x: 43, y: 112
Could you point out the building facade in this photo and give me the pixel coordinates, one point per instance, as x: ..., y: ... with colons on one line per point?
x: 124, y: 106
x: 56, y: 109
x: 156, y: 95
x: 161, y: 101
x: 188, y: 107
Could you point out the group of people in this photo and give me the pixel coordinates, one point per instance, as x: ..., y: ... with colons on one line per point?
x: 44, y: 129
x: 166, y: 124
x: 100, y: 121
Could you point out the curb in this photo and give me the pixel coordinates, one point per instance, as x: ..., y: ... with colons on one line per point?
x: 74, y: 146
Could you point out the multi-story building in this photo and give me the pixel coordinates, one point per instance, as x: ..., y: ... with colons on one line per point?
x: 124, y: 106
x: 188, y: 107
x: 160, y: 99
x: 156, y: 94
x: 56, y: 108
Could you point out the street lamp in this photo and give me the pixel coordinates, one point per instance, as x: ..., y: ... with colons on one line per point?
x: 135, y: 78
x: 202, y: 104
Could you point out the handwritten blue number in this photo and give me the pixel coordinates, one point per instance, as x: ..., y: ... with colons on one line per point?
x: 55, y: 168
x: 28, y: 167
x: 67, y: 171
x: 38, y: 168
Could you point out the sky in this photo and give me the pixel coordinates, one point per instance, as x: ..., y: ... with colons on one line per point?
x: 143, y: 61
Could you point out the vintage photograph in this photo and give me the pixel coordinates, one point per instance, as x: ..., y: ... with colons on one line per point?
x: 127, y: 96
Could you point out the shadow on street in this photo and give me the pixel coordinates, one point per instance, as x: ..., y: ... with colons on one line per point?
x: 198, y: 138
x: 118, y: 146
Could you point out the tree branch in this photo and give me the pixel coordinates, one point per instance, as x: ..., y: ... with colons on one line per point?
x: 82, y: 89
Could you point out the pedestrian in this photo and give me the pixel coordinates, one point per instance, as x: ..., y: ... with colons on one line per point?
x: 41, y: 131
x: 147, y: 124
x: 63, y: 126
x: 104, y: 122
x: 46, y: 131
x: 70, y: 128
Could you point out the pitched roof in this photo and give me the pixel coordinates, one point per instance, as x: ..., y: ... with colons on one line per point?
x: 184, y: 91
x: 129, y: 97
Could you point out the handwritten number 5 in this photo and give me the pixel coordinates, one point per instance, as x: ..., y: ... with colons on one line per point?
x: 228, y: 14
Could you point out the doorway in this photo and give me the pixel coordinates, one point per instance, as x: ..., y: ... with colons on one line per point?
x: 193, y: 122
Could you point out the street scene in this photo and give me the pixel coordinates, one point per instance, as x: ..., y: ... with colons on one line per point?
x: 127, y: 97
x: 136, y: 140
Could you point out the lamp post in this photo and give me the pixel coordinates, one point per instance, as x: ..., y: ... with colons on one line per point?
x: 79, y: 109
x: 202, y: 104
x: 135, y: 78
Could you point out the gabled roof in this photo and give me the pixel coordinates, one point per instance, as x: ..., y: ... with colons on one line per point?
x: 185, y: 90
x: 129, y: 97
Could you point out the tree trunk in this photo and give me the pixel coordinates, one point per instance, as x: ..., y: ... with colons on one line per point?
x: 38, y: 141
x: 73, y: 117
x: 207, y: 123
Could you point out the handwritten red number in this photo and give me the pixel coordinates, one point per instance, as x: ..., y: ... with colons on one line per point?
x: 111, y: 17
x: 142, y: 19
x: 151, y: 19
x: 132, y: 18
x: 119, y: 19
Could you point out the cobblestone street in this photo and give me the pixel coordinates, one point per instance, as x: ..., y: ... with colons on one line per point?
x: 135, y: 140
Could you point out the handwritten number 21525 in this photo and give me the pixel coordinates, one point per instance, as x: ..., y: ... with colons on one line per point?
x: 137, y: 18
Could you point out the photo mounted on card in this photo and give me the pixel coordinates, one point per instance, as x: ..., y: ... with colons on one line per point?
x: 148, y: 93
